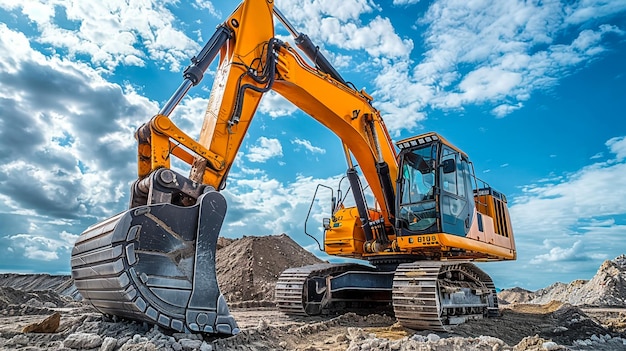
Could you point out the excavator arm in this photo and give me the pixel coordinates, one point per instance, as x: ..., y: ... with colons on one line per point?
x: 156, y: 261
x: 252, y: 62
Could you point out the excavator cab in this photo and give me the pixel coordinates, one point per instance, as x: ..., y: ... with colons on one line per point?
x: 443, y: 209
x: 434, y: 188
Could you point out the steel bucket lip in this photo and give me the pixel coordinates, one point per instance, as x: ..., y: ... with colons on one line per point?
x: 127, y: 265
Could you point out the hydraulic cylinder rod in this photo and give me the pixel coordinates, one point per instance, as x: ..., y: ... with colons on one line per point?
x: 193, y: 73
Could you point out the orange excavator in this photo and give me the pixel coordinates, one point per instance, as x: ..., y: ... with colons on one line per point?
x: 430, y: 218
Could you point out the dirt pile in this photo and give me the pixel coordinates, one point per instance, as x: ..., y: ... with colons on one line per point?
x: 562, y: 323
x: 14, y: 302
x: 62, y: 284
x: 606, y: 288
x: 515, y: 295
x: 248, y: 268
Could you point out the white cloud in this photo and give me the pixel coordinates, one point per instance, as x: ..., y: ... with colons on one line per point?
x: 335, y: 23
x: 265, y: 149
x: 399, y: 115
x: 572, y: 217
x: 378, y: 38
x: 111, y: 33
x: 41, y: 248
x: 488, y: 83
x: 582, y: 11
x: 405, y: 2
x: 307, y: 146
x: 268, y: 206
x: 596, y: 156
x: 577, y: 252
x: 497, y: 53
x: 558, y: 208
x: 309, y: 11
x: 208, y: 5
x: 275, y: 105
x: 401, y: 102
x: 68, y: 238
x: 189, y: 114
x: 617, y: 146
x: 505, y: 109
x: 594, y: 191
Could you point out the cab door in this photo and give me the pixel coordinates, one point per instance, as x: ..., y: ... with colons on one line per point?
x: 456, y: 199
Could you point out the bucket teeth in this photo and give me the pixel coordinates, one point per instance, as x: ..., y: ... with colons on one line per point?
x: 156, y: 263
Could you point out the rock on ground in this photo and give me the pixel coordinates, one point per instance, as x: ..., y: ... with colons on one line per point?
x: 82, y: 341
x: 48, y: 325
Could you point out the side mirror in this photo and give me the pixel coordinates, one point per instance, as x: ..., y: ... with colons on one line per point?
x: 326, y: 223
x: 448, y: 166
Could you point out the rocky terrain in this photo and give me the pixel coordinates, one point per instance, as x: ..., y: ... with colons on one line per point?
x: 606, y: 288
x: 43, y: 312
x: 515, y: 295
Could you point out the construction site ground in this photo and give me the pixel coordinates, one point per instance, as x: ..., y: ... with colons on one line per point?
x: 247, y: 270
x: 520, y: 327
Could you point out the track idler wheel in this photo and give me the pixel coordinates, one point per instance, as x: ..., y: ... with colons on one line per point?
x: 156, y: 263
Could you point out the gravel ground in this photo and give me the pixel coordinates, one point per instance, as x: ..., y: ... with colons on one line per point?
x: 247, y: 270
x: 523, y: 327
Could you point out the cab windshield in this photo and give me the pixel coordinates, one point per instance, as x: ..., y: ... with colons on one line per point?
x: 417, y: 203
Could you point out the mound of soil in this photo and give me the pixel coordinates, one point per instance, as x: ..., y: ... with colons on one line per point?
x: 33, y: 281
x: 562, y: 323
x: 515, y: 295
x: 606, y: 288
x: 61, y: 284
x: 248, y: 268
x: 14, y: 302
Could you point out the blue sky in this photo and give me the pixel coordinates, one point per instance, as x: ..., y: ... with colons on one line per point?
x: 535, y: 94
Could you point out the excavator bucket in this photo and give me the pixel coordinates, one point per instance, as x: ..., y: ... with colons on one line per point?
x: 156, y: 263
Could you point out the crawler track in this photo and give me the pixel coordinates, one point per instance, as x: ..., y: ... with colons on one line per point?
x: 429, y: 295
x: 302, y: 291
x: 436, y: 295
x: 415, y: 296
